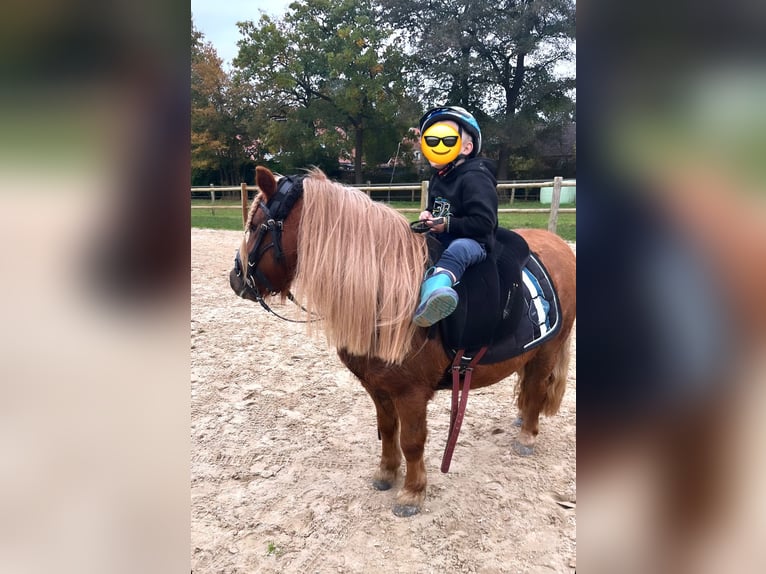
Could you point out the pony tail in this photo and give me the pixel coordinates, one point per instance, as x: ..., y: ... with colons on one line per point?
x: 557, y: 384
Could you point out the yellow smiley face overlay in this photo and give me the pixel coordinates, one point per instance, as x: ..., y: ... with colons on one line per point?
x: 441, y: 143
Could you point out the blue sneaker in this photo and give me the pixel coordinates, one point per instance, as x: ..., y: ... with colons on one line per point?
x: 438, y: 300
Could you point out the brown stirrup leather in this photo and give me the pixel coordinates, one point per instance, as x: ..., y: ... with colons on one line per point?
x: 457, y: 411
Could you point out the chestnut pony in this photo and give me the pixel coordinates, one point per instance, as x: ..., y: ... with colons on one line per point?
x: 357, y: 265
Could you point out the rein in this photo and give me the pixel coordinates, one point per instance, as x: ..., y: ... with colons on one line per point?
x: 289, y: 190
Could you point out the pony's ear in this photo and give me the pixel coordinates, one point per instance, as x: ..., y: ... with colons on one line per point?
x: 265, y: 181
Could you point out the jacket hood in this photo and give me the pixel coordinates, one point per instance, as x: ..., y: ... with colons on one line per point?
x: 477, y: 164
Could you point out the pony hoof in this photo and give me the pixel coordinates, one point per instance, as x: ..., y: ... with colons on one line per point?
x: 523, y: 449
x: 381, y: 484
x: 405, y: 510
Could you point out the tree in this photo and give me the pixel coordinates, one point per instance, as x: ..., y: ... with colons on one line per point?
x: 329, y: 70
x: 220, y: 144
x: 495, y: 58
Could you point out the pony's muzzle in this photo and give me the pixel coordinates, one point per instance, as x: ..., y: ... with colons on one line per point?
x: 237, y: 282
x: 237, y: 279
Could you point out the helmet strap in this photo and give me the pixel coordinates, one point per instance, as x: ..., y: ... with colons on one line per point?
x: 450, y: 166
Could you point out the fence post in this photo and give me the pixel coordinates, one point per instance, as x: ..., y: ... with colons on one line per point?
x: 555, y: 200
x: 423, y: 195
x: 212, y: 199
x: 243, y: 198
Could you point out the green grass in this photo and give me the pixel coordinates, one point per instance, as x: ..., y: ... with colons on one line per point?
x: 273, y: 550
x: 213, y: 218
x: 217, y: 218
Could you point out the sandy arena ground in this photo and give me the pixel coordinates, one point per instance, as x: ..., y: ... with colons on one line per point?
x: 284, y: 445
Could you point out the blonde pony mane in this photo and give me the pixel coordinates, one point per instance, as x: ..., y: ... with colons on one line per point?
x: 359, y: 268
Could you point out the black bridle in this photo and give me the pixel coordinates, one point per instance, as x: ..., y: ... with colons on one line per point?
x: 289, y: 190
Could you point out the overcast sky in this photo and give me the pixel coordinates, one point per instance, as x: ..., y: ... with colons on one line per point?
x: 217, y: 20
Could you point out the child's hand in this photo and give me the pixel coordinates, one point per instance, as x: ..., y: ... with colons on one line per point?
x: 437, y: 225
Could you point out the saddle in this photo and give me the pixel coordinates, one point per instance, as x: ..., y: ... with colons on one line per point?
x: 507, y: 303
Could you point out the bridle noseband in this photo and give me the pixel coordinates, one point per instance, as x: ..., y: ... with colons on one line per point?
x: 289, y: 190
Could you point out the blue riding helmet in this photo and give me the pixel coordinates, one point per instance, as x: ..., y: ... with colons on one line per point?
x: 459, y: 115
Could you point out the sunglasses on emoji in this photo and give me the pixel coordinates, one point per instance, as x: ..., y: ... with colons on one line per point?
x: 433, y: 141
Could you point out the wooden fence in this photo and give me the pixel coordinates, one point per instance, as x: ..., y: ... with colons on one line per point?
x: 557, y: 183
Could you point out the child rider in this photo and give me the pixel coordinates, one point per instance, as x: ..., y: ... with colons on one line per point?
x: 463, y: 196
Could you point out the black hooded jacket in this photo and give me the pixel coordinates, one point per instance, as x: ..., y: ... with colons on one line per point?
x: 468, y: 195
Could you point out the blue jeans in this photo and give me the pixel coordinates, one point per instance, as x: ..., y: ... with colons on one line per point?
x: 460, y: 254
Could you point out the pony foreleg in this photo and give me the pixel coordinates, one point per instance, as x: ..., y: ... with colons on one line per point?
x: 412, y: 416
x: 391, y: 455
